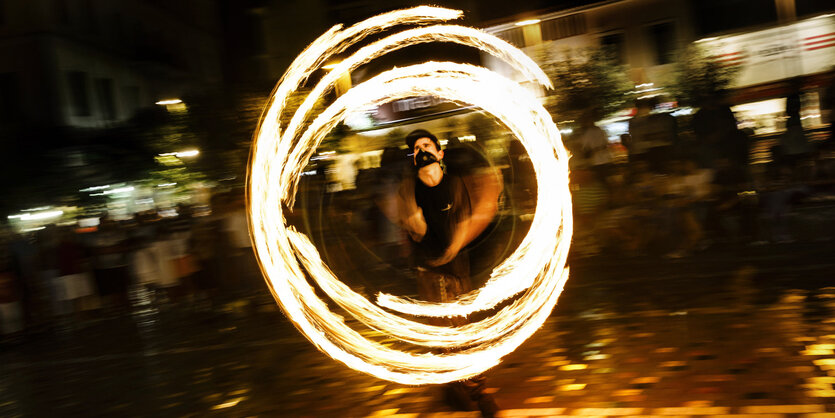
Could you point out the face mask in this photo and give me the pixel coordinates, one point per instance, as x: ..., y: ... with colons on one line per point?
x: 424, y: 158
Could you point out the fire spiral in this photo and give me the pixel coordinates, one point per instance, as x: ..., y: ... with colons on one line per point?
x: 534, y: 275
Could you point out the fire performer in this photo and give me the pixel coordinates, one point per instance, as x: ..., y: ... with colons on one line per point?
x: 442, y: 213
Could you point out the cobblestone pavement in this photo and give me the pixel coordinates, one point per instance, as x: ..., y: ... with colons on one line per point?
x: 745, y: 331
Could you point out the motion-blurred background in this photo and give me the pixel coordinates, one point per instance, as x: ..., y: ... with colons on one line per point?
x: 701, y: 134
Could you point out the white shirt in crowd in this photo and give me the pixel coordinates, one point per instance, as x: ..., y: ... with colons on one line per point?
x: 594, y: 139
x: 237, y: 226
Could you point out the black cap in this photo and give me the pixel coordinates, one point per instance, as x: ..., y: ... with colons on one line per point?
x: 418, y: 134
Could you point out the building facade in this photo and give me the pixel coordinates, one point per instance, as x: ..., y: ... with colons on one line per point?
x: 95, y: 63
x: 644, y: 35
x: 778, y: 45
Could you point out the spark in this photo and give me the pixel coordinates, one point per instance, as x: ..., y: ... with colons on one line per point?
x: 534, y: 274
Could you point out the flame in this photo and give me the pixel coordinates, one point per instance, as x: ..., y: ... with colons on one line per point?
x: 535, y: 273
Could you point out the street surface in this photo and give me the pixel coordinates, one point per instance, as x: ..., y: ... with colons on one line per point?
x: 734, y: 330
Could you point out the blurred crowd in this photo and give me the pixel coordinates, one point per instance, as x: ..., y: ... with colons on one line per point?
x: 58, y: 277
x: 674, y: 186
x: 671, y: 187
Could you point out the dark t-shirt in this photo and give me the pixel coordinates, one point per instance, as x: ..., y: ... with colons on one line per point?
x: 443, y: 206
x: 437, y: 206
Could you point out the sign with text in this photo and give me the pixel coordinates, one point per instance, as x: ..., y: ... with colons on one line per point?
x: 802, y: 48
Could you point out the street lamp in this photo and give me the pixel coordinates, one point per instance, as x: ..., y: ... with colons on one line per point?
x: 182, y: 154
x: 169, y: 102
x: 172, y: 105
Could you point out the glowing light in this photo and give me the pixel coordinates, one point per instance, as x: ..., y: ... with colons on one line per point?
x: 169, y: 102
x: 190, y: 153
x: 119, y: 190
x: 527, y: 22
x: 182, y: 154
x: 682, y: 111
x: 230, y: 403
x: 37, y: 216
x: 94, y: 188
x: 647, y: 96
x: 534, y: 274
x: 88, y: 222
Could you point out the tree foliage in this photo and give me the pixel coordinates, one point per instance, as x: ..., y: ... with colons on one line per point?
x: 698, y: 76
x: 591, y: 81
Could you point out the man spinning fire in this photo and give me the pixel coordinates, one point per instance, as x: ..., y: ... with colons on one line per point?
x: 442, y: 213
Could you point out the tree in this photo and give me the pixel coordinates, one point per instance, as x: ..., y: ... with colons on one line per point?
x: 592, y: 81
x: 699, y: 76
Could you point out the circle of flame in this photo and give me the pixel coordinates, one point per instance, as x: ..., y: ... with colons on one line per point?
x: 536, y: 271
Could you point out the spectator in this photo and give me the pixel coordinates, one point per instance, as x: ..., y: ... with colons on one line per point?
x: 34, y: 298
x: 590, y: 198
x: 244, y: 267
x: 715, y: 127
x: 794, y: 149
x: 689, y: 189
x: 152, y: 267
x: 75, y: 280
x: 47, y: 262
x: 11, y: 306
x: 593, y: 144
x: 726, y: 207
x: 110, y: 263
x: 653, y: 136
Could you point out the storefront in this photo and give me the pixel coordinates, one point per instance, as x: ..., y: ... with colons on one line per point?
x: 773, y: 63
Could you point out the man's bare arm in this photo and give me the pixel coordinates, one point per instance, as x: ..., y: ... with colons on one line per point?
x: 401, y: 209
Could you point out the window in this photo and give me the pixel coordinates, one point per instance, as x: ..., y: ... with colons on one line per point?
x: 104, y: 91
x: 9, y: 96
x: 663, y: 42
x: 614, y: 44
x: 563, y: 27
x: 514, y: 36
x: 80, y: 102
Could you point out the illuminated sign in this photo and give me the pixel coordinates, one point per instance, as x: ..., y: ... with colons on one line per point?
x: 802, y: 48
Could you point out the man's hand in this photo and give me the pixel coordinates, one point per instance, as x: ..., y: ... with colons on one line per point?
x: 446, y: 257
